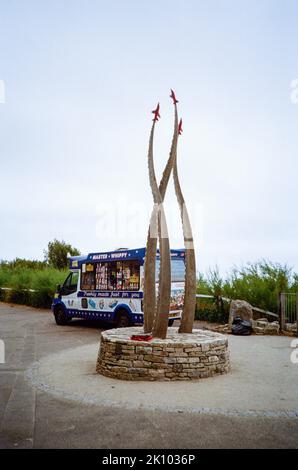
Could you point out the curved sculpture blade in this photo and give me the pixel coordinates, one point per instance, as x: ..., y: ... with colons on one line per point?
x: 149, y: 303
x: 189, y: 305
x: 158, y: 218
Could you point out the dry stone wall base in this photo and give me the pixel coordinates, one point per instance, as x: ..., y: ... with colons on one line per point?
x: 178, y: 357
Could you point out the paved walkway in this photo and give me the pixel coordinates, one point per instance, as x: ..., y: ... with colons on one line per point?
x: 50, y: 396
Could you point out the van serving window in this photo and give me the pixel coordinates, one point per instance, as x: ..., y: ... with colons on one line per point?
x: 114, y: 275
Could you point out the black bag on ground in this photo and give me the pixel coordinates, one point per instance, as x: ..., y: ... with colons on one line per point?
x: 241, y: 327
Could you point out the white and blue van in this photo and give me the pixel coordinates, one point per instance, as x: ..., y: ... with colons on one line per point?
x: 108, y: 286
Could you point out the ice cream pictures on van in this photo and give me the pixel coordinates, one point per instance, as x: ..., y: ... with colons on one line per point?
x: 109, y: 286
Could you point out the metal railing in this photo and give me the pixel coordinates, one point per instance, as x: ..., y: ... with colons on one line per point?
x: 288, y: 305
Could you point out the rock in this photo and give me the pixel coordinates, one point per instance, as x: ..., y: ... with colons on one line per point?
x: 258, y: 330
x: 223, y: 328
x: 292, y: 327
x: 265, y: 328
x: 261, y: 323
x: 240, y: 308
x: 272, y: 329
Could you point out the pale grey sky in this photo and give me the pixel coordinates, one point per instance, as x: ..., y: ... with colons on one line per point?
x: 81, y: 78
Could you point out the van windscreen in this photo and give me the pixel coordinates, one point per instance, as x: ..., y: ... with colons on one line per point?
x: 177, y: 270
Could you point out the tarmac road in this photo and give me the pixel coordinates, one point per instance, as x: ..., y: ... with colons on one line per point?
x: 34, y: 416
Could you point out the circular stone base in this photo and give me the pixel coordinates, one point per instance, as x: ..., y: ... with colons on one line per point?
x: 181, y: 356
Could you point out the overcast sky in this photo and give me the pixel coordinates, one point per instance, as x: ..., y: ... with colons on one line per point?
x: 81, y: 79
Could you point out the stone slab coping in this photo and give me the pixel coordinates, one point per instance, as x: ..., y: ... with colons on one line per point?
x: 196, y: 338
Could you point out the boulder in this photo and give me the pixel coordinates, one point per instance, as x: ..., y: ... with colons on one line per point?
x: 240, y: 308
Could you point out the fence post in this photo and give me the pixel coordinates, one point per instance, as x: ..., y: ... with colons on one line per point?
x: 282, y: 310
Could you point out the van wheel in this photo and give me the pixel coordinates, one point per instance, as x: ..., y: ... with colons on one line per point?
x: 122, y: 320
x: 171, y: 322
x: 61, y: 317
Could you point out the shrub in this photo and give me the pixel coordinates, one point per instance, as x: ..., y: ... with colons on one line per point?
x: 2, y: 295
x: 40, y: 299
x: 22, y: 281
x: 16, y: 296
x: 257, y: 283
x: 212, y: 310
x: 23, y: 264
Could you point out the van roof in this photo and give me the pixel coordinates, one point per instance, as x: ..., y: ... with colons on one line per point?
x: 119, y: 255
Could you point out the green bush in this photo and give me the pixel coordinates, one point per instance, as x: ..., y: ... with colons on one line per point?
x: 22, y: 280
x: 2, y: 295
x: 23, y: 264
x: 212, y: 310
x: 17, y: 297
x: 257, y: 283
x: 34, y: 282
x: 41, y: 299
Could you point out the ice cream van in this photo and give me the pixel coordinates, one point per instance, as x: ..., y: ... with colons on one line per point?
x: 108, y: 286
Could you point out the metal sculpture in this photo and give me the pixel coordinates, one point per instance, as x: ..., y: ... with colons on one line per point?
x: 156, y: 310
